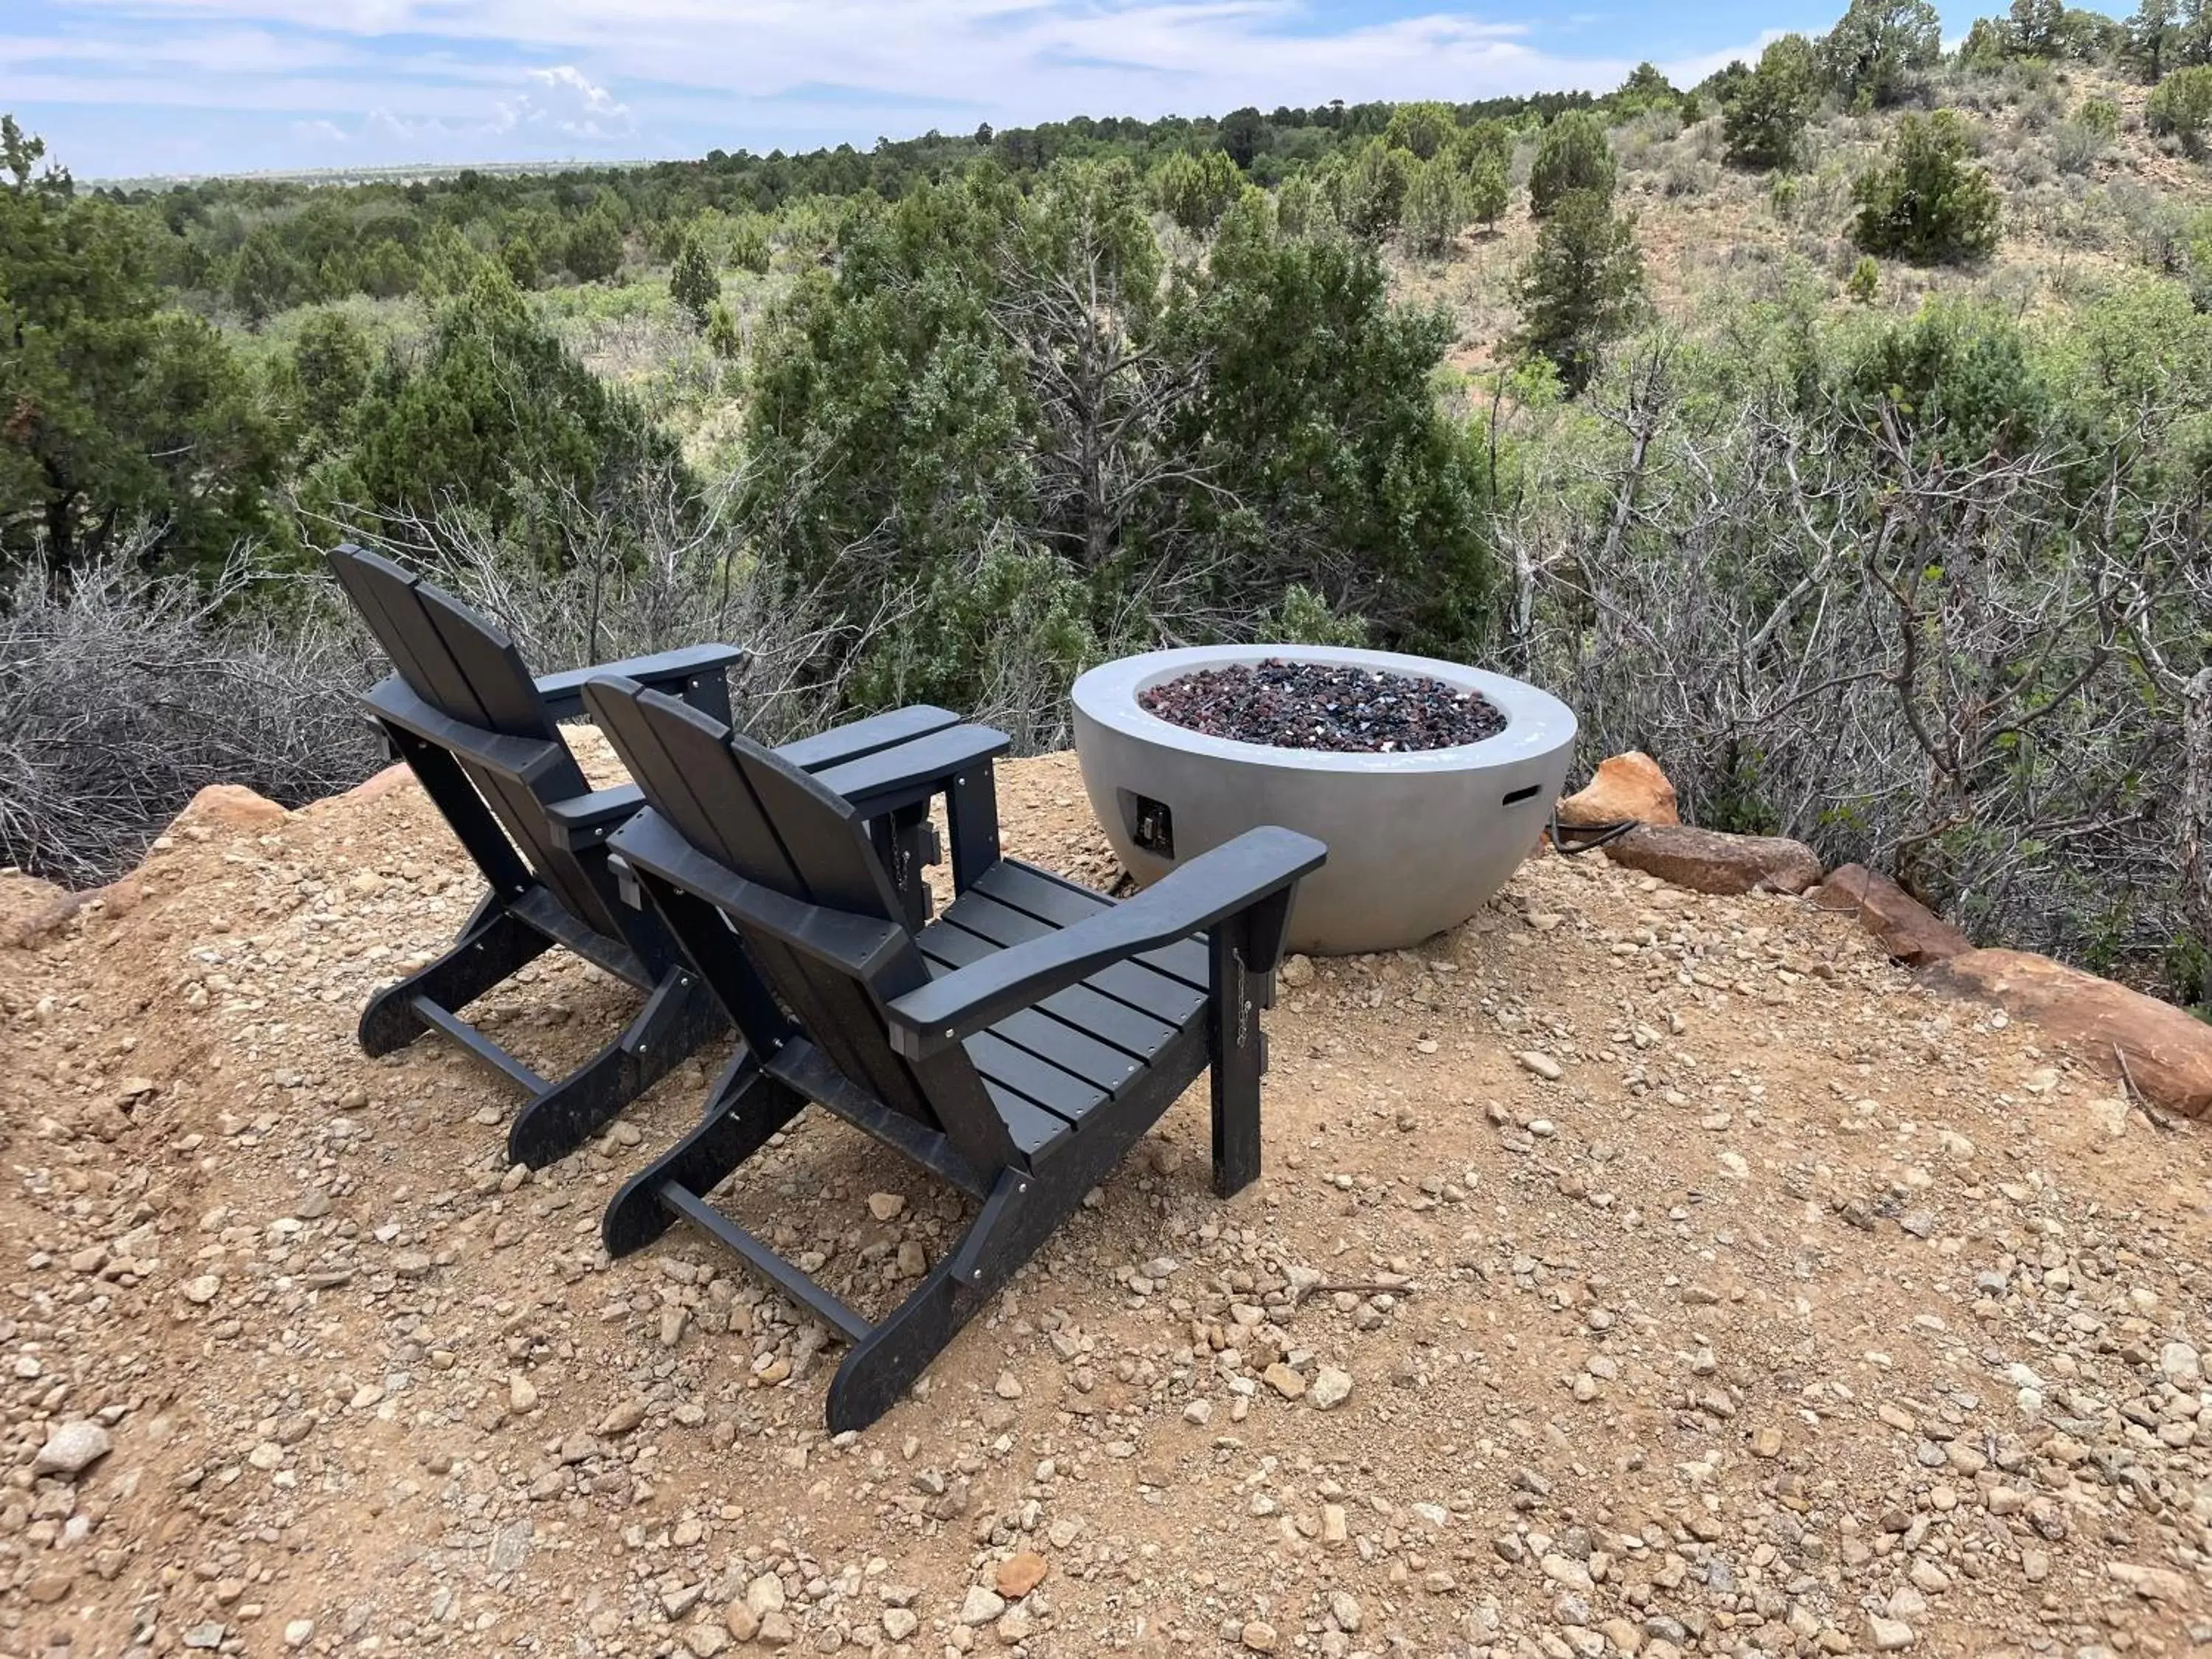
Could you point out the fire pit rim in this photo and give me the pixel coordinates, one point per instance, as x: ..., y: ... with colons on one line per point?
x: 1536, y: 721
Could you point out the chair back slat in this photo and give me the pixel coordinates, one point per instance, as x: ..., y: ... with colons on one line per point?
x: 468, y: 669
x: 770, y: 824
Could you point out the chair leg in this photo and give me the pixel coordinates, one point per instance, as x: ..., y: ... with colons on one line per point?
x: 1239, y: 1058
x: 1020, y: 1213
x: 679, y: 1015
x: 746, y: 1108
x: 492, y: 945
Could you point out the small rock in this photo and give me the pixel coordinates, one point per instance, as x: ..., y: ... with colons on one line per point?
x: 1331, y: 1387
x: 623, y: 1418
x: 1766, y: 1442
x: 204, y: 1636
x: 299, y: 1632
x: 1541, y: 1064
x: 900, y: 1623
x: 981, y: 1606
x: 1284, y: 1381
x: 1008, y: 1387
x: 521, y: 1393
x: 764, y: 1595
x: 1017, y: 1575
x: 2152, y: 1583
x: 1344, y: 1607
x: 71, y: 1449
x: 1887, y: 1635
x: 741, y: 1621
x: 1258, y: 1635
x: 885, y: 1207
x: 202, y: 1290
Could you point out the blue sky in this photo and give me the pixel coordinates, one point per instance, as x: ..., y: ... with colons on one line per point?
x: 136, y: 87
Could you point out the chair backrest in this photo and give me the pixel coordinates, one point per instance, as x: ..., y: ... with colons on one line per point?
x: 465, y: 666
x: 764, y: 820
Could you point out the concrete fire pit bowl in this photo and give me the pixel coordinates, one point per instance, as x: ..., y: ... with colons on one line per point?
x: 1417, y: 841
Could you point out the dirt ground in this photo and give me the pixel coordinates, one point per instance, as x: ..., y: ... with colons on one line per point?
x: 1703, y: 1286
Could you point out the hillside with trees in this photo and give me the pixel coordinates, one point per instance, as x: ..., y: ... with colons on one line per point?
x: 1837, y: 430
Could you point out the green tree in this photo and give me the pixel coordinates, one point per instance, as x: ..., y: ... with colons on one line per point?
x: 2036, y: 28
x: 1764, y: 116
x: 723, y: 338
x: 500, y: 419
x: 1864, y: 281
x: 1436, y: 207
x: 594, y: 250
x: 331, y: 362
x: 1574, y: 155
x: 118, y: 413
x: 1241, y: 134
x: 1370, y: 192
x: 1421, y: 128
x: 2151, y: 34
x: 2180, y: 106
x: 1924, y: 201
x: 1488, y: 192
x: 1646, y: 88
x: 1195, y: 190
x: 1876, y: 47
x: 693, y: 281
x: 1580, y: 288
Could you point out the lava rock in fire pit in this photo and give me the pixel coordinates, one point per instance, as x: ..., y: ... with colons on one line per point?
x: 1322, y: 705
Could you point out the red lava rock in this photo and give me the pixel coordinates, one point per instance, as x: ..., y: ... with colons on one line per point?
x: 1901, y: 924
x: 1320, y: 705
x: 1707, y: 861
x: 1625, y: 787
x: 2167, y: 1054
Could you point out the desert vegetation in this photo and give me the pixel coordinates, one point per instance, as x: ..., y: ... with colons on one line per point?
x: 1837, y: 430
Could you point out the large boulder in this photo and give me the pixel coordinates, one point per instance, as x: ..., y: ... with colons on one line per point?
x: 2165, y: 1054
x: 1707, y: 861
x: 1900, y: 923
x: 1626, y: 788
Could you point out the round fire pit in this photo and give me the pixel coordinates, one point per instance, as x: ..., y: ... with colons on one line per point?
x: 1418, y: 838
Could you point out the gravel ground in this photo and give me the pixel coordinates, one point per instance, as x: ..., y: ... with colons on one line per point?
x: 1633, y: 1273
x: 1312, y: 705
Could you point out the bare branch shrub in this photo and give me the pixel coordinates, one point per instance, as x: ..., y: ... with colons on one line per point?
x: 670, y: 571
x: 122, y: 694
x: 1972, y: 674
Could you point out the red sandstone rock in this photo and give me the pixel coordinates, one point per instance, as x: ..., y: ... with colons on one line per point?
x: 1901, y: 924
x: 1707, y: 861
x: 1629, y: 785
x: 231, y: 806
x: 2167, y: 1054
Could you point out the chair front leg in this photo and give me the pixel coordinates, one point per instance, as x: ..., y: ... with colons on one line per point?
x: 1242, y: 950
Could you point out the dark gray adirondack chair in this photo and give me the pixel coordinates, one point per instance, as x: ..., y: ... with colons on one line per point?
x: 480, y: 735
x: 1016, y: 1047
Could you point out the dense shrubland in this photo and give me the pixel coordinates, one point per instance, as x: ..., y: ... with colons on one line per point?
x: 1837, y: 430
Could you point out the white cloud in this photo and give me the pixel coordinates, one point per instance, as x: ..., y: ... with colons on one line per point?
x: 322, y: 132
x: 570, y: 103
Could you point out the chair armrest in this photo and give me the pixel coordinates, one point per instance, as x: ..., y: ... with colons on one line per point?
x: 854, y: 738
x: 689, y: 664
x: 589, y: 819
x: 892, y: 778
x: 1231, y: 879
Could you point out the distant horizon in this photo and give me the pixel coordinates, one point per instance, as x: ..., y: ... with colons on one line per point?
x: 230, y: 87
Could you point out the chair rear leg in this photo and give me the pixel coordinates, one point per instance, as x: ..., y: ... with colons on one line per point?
x: 746, y: 1107
x: 679, y: 1015
x: 493, y: 945
x: 1239, y: 1057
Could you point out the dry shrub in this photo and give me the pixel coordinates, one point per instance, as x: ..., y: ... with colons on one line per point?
x: 122, y: 694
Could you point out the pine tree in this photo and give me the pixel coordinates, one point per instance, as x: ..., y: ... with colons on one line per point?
x: 1487, y: 190
x: 1436, y: 206
x: 1924, y: 200
x: 693, y: 281
x: 1574, y: 155
x: 1582, y: 286
x: 1766, y: 114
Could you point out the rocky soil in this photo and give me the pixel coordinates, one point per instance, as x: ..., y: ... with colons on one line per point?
x: 1633, y: 1273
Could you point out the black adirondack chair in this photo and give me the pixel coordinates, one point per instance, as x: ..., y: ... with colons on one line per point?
x: 480, y: 735
x: 1016, y: 1047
